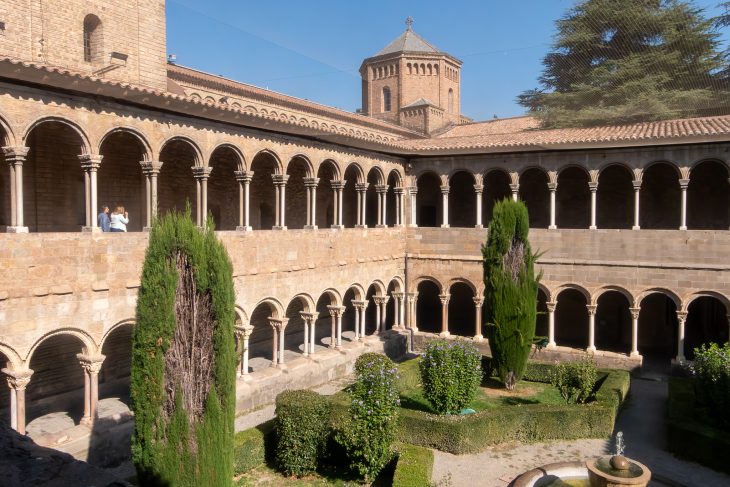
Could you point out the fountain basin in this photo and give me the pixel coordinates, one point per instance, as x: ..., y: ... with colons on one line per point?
x: 572, y: 474
x: 601, y: 474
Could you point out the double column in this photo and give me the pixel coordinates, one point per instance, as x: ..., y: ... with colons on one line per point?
x: 478, y: 302
x: 244, y: 334
x: 444, y: 298
x: 380, y: 312
x: 201, y: 175
x: 310, y: 184
x: 382, y: 191
x: 91, y: 366
x: 360, y: 307
x: 150, y: 170
x: 15, y: 157
x: 634, y: 331
x: 593, y: 188
x: 244, y: 200
x: 399, y: 216
x: 413, y: 192
x: 278, y: 326
x: 553, y: 188
x: 398, y: 321
x: 309, y: 335
x: 412, y: 299
x: 445, y: 205
x: 479, y: 189
x: 280, y: 181
x: 683, y: 185
x: 17, y: 381
x: 636, y: 183
x: 336, y: 313
x: 338, y: 187
x: 591, y: 327
x: 551, y: 323
x: 90, y: 165
x: 362, y: 191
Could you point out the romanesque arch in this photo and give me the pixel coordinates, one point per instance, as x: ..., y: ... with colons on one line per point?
x: 428, y: 200
x: 541, y: 321
x: 375, y: 179
x: 462, y: 316
x: 613, y: 321
x: 176, y: 187
x: 327, y: 173
x: 571, y: 317
x: 462, y: 200
x: 294, y: 333
x: 573, y: 198
x: 262, y: 337
x: 707, y: 322
x: 428, y: 306
x: 615, y: 197
x: 353, y: 177
x: 223, y: 190
x: 708, y: 196
x: 534, y: 192
x: 496, y: 188
x: 658, y: 325
x: 265, y: 165
x: 298, y: 169
x: 391, y: 200
x: 114, y: 375
x: 660, y: 197
x: 371, y: 312
x: 323, y: 326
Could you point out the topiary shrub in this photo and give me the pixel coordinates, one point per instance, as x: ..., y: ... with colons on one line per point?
x: 450, y: 373
x: 576, y: 381
x: 711, y: 377
x: 301, y: 431
x: 368, y: 432
x: 510, y: 293
x: 183, y: 358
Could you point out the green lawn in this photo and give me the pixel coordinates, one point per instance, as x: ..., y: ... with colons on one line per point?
x: 266, y: 476
x: 491, y: 395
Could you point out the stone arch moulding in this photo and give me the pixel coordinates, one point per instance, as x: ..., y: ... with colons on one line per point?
x: 605, y: 165
x: 725, y: 164
x: 241, y: 315
x: 399, y: 286
x: 358, y: 171
x: 548, y: 292
x: 274, y: 304
x: 575, y: 287
x: 199, y: 161
x: 278, y: 166
x: 14, y: 360
x: 241, y: 166
x: 85, y: 141
x: 308, y: 304
x: 585, y: 169
x: 89, y: 345
x: 8, y: 140
x: 460, y: 170
x: 660, y: 290
x: 672, y: 164
x: 113, y: 328
x: 380, y: 176
x: 336, y: 169
x: 420, y: 279
x: 148, y: 153
x: 706, y: 294
x: 463, y: 280
x: 359, y: 291
x: 335, y: 296
x: 307, y: 163
x: 380, y: 288
x: 605, y: 289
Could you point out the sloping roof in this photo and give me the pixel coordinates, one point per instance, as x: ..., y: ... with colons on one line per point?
x: 408, y: 41
x: 493, y: 127
x: 419, y: 103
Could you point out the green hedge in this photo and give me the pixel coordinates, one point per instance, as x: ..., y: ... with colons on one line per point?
x: 299, y: 431
x: 414, y: 467
x: 527, y: 423
x: 535, y: 371
x: 689, y: 438
x: 253, y: 447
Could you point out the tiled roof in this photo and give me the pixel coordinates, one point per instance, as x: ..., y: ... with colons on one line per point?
x: 408, y: 41
x: 419, y: 103
x: 523, y: 133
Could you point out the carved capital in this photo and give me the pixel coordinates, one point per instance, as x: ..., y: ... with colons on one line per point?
x: 358, y: 305
x: 444, y: 298
x: 336, y: 311
x: 15, y: 156
x: 308, y: 317
x: 591, y: 309
x: 445, y: 189
x: 244, y: 332
x: 90, y: 162
x: 551, y: 306
x: 553, y: 186
x: 150, y: 168
x: 478, y: 188
x: 280, y: 179
x: 338, y: 184
x: 18, y: 379
x: 478, y: 302
x: 381, y: 188
x: 91, y: 364
x: 311, y: 182
x: 635, y: 313
x: 278, y: 324
x: 399, y: 190
x: 380, y: 300
x: 682, y: 316
x: 361, y: 187
x: 201, y: 172
x: 397, y: 295
x: 243, y: 176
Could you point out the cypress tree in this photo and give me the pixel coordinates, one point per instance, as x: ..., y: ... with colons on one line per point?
x: 510, y: 293
x: 183, y: 359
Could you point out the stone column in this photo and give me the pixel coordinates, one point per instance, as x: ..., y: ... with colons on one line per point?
x: 398, y: 206
x: 515, y: 188
x: 363, y: 325
x: 311, y: 186
x: 244, y: 200
x: 382, y: 191
x: 244, y: 334
x: 551, y: 324
x: 479, y: 189
x: 683, y: 184
x: 553, y: 187
x: 593, y: 188
x: 201, y: 175
x: 445, y: 206
x: 91, y: 366
x: 280, y: 181
x: 380, y: 303
x: 377, y: 314
x: 151, y: 169
x: 591, y: 327
x: 634, y: 331
x: 15, y: 157
x: 359, y: 318
x: 412, y: 318
x: 338, y: 187
x: 682, y: 318
x: 308, y: 319
x: 478, y: 302
x: 398, y: 308
x: 414, y: 203
x: 312, y: 335
x: 637, y: 188
x: 334, y: 311
x: 402, y: 311
x: 361, y: 189
x: 274, y: 324
x: 90, y: 165
x: 17, y: 381
x: 444, y: 298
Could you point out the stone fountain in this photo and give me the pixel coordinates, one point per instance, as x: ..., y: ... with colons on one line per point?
x: 605, y: 471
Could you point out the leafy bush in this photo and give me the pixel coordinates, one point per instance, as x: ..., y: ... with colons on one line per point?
x: 450, y: 373
x: 253, y: 446
x: 576, y: 380
x: 510, y: 290
x: 300, y: 431
x: 414, y: 467
x: 366, y: 435
x: 711, y: 372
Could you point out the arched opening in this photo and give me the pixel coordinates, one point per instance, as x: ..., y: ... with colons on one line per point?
x: 708, y: 197
x: 371, y: 312
x: 542, y: 320
x: 462, y: 200
x: 462, y: 313
x: 349, y: 318
x: 115, y: 371
x: 613, y: 323
x: 496, y: 188
x: 223, y: 187
x: 706, y: 323
x: 375, y: 178
x: 55, y: 395
x: 534, y: 192
x: 390, y: 309
x: 53, y: 182
x: 660, y: 198
x: 391, y: 199
x: 176, y: 185
x: 428, y: 200
x: 323, y: 322
x: 260, y: 345
x: 296, y: 194
x: 658, y: 327
x: 5, y: 217
x: 93, y: 41
x: 428, y: 307
x: 386, y: 99
x: 349, y: 196
x: 571, y: 319
x: 120, y: 180
x: 451, y: 100
x: 263, y: 196
x: 294, y: 332
x: 4, y: 391
x: 573, y: 199
x: 326, y: 195
x: 615, y: 198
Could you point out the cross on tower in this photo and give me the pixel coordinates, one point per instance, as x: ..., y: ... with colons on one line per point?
x: 409, y: 22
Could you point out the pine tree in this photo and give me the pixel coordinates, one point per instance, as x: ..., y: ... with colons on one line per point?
x: 510, y: 290
x: 624, y: 61
x: 183, y: 359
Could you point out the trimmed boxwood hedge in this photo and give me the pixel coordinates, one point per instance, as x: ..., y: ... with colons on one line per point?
x: 253, y: 447
x: 300, y: 434
x: 414, y: 467
x: 690, y: 438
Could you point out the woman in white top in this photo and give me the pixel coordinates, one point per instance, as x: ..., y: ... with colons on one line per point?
x: 119, y: 220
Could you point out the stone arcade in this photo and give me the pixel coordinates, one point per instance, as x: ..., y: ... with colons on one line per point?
x: 340, y: 226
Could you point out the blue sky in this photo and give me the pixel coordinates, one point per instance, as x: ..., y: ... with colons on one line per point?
x: 313, y: 49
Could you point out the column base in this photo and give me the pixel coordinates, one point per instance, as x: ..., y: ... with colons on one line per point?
x: 551, y: 345
x: 683, y: 228
x: 593, y: 227
x: 444, y: 334
x: 591, y: 349
x: 478, y: 227
x: 146, y: 229
x: 445, y: 225
x: 553, y: 227
x: 636, y: 227
x: 363, y: 227
x: 635, y: 355
x: 17, y: 230
x: 277, y: 227
x: 478, y: 338
x: 337, y: 227
x: 311, y: 227
x: 381, y: 226
x: 412, y: 225
x: 244, y: 229
x: 91, y: 230
x: 398, y: 225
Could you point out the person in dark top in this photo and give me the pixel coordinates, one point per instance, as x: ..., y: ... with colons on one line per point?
x: 103, y: 218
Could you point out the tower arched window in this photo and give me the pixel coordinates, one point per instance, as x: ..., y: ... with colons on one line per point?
x: 451, y: 100
x: 386, y: 99
x: 92, y: 38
